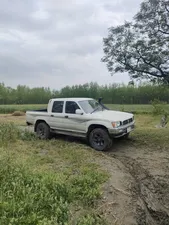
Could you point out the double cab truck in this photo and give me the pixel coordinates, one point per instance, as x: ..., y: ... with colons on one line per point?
x: 81, y: 117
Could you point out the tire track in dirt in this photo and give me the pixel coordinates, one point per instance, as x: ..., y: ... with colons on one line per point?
x: 151, y: 194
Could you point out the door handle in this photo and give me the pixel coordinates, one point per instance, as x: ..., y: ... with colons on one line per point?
x: 66, y: 117
x: 52, y: 115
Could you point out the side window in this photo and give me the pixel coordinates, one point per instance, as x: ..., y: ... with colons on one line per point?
x: 57, y: 107
x: 71, y: 107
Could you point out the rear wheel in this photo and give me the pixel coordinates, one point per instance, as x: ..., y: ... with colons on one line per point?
x: 100, y: 140
x: 43, y: 131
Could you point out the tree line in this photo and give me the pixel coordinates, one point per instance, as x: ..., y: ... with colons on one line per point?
x: 112, y: 94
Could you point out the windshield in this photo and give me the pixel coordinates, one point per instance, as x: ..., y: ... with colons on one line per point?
x: 90, y: 105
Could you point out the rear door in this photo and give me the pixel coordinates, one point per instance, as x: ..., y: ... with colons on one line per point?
x: 56, y: 115
x: 72, y: 121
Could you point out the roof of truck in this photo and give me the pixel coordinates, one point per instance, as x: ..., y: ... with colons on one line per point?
x: 70, y: 99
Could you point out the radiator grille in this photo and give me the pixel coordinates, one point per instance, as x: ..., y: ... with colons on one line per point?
x: 125, y: 122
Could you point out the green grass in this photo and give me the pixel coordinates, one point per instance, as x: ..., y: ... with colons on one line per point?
x: 12, y: 108
x: 47, y: 182
x: 148, y: 135
x: 137, y: 109
x: 58, y: 181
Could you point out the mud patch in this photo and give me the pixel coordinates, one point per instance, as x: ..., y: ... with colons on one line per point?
x: 152, y: 194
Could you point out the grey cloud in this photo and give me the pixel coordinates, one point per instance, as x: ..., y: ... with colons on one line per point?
x: 51, y: 40
x: 123, y: 6
x: 18, y: 14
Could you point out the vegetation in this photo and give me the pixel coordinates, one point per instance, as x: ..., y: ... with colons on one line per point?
x: 112, y: 94
x: 47, y: 182
x: 136, y: 109
x: 4, y: 109
x: 141, y: 47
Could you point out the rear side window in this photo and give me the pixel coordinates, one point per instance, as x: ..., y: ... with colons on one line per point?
x: 71, y: 107
x: 57, y: 107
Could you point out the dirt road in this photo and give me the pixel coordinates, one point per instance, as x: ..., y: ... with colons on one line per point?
x: 138, y: 188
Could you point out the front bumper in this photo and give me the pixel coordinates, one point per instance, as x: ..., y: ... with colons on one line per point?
x: 121, y: 131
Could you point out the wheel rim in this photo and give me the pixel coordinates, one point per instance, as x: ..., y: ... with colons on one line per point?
x: 41, y: 131
x: 98, y: 139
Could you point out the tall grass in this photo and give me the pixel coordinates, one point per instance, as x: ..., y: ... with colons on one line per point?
x: 9, y: 133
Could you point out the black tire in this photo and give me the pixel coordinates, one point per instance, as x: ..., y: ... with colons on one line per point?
x: 100, y: 140
x: 43, y: 131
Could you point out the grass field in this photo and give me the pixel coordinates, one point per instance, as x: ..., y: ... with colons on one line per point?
x: 47, y: 182
x: 139, y: 109
x: 62, y: 181
x: 12, y: 108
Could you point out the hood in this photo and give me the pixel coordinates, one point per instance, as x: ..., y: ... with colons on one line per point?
x: 112, y: 115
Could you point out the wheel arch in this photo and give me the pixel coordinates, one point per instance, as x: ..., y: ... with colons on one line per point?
x: 94, y: 126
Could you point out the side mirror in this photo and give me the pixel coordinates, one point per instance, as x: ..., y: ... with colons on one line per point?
x: 79, y: 112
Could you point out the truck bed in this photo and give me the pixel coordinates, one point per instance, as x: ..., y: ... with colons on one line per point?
x: 38, y: 110
x: 32, y: 114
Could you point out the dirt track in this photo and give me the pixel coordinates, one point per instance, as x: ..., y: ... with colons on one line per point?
x: 138, y: 189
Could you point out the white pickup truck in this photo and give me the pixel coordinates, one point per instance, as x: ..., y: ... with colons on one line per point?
x: 81, y: 117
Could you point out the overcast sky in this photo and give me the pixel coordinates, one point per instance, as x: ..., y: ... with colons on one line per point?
x: 58, y: 42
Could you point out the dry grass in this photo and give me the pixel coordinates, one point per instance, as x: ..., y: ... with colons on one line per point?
x: 18, y: 113
x: 147, y: 134
x: 8, y: 118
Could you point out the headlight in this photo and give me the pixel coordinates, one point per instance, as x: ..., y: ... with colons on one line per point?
x: 116, y: 124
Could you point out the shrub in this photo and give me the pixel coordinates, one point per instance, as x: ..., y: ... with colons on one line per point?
x: 159, y: 107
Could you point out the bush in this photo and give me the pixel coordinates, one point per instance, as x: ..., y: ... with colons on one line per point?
x: 159, y: 107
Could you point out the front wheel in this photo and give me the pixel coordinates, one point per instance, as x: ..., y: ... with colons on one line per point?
x: 100, y: 140
x: 43, y: 131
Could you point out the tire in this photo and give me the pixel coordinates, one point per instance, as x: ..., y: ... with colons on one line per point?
x: 43, y: 131
x: 100, y: 140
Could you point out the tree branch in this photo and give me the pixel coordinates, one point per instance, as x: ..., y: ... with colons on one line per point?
x: 150, y: 64
x: 163, y: 32
x: 138, y: 70
x: 165, y: 5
